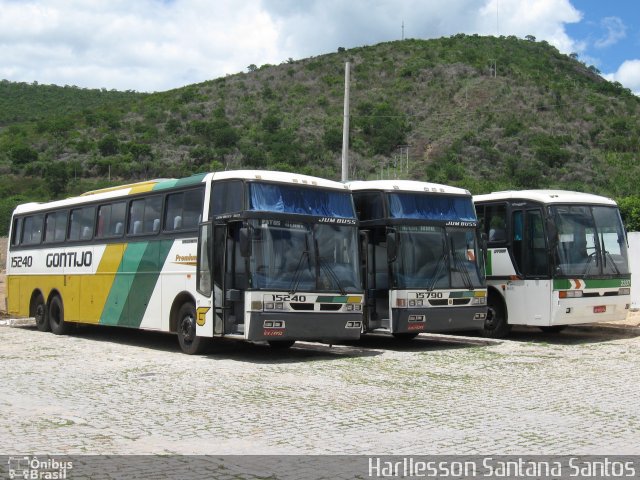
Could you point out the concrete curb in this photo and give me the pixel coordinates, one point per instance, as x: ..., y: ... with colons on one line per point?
x: 17, y: 322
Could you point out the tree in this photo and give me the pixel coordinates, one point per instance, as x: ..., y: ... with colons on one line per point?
x: 56, y: 175
x: 109, y: 145
x: 252, y: 68
x: 22, y: 154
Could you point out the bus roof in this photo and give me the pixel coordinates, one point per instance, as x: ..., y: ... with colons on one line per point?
x: 546, y: 196
x: 275, y: 176
x: 406, y: 186
x: 164, y: 183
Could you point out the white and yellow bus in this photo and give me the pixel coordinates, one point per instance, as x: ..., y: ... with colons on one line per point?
x: 554, y: 258
x: 253, y: 255
x: 424, y: 269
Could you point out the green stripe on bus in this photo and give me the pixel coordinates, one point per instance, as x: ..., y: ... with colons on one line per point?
x: 182, y: 182
x: 565, y: 284
x: 331, y: 299
x: 465, y: 294
x: 144, y: 282
x: 114, y: 308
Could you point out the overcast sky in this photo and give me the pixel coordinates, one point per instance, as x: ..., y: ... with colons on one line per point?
x: 156, y: 45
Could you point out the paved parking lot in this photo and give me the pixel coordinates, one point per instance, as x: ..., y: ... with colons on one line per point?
x: 114, y: 391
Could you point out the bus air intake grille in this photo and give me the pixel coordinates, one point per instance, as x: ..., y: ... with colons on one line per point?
x: 610, y: 294
x: 330, y: 307
x: 461, y: 301
x: 593, y: 294
x: 301, y: 306
x: 439, y: 303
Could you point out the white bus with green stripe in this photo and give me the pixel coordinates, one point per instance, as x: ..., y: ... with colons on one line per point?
x: 252, y: 255
x: 554, y: 258
x: 424, y: 269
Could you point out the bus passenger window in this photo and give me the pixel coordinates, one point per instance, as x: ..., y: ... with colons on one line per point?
x: 16, y: 232
x: 183, y: 210
x: 144, y: 215
x: 55, y: 227
x: 32, y: 230
x: 111, y: 220
x: 81, y: 223
x: 496, y: 221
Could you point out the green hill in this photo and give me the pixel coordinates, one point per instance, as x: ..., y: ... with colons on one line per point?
x: 484, y: 113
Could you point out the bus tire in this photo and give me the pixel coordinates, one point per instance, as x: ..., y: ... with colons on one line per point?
x: 553, y: 328
x: 281, y: 344
x: 496, y: 326
x: 405, y: 336
x: 56, y: 316
x: 39, y: 312
x: 186, y: 330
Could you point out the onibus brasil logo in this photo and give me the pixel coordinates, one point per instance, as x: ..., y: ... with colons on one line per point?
x: 35, y: 469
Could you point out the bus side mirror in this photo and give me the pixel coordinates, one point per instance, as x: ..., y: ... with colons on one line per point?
x: 392, y: 246
x: 483, y: 241
x: 245, y: 243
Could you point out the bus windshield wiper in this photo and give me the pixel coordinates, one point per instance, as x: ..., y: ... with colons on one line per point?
x: 324, y: 264
x: 613, y: 262
x: 439, y: 267
x: 295, y: 281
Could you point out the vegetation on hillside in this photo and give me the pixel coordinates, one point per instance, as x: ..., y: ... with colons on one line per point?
x: 483, y: 113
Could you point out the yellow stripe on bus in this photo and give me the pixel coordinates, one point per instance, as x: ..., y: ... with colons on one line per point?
x: 98, y: 286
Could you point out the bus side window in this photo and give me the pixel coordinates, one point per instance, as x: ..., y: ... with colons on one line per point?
x: 226, y: 197
x: 55, y: 227
x: 32, y: 230
x: 496, y: 220
x: 16, y: 232
x: 111, y: 220
x: 144, y: 215
x: 81, y: 223
x: 183, y: 210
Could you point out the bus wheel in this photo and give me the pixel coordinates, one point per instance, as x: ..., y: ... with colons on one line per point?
x: 281, y: 344
x: 496, y: 326
x: 189, y: 342
x: 39, y: 312
x: 405, y: 336
x: 56, y: 316
x: 553, y: 328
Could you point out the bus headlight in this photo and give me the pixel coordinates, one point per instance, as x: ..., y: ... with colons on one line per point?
x: 624, y: 291
x: 479, y: 301
x: 274, y: 306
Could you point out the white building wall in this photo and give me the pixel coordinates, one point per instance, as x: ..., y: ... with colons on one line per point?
x: 634, y: 266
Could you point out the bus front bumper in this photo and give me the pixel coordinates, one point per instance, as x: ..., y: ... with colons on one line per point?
x: 320, y: 327
x: 435, y: 319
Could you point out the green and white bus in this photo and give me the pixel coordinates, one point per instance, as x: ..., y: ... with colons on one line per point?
x: 423, y: 262
x: 253, y: 255
x: 554, y: 258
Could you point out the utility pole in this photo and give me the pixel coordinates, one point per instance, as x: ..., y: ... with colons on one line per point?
x: 345, y: 125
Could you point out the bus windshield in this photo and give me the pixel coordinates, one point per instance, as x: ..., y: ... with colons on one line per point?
x: 434, y: 257
x: 431, y: 207
x: 291, y: 256
x: 590, y: 241
x: 302, y: 200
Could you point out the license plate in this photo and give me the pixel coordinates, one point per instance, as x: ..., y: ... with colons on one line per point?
x: 600, y: 309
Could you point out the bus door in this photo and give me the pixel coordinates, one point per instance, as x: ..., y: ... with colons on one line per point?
x: 235, y: 280
x: 377, y: 283
x: 364, y: 271
x: 529, y: 295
